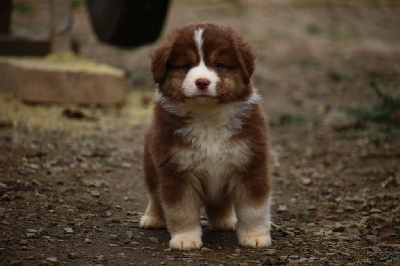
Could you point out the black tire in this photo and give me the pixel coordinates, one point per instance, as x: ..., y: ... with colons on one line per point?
x: 127, y: 23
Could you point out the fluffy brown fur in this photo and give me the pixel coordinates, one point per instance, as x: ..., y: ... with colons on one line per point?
x: 207, y: 144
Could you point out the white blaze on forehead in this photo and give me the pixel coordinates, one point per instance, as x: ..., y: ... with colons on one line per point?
x: 198, y: 38
x: 200, y: 71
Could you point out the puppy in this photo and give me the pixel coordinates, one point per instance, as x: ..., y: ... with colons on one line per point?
x: 207, y: 144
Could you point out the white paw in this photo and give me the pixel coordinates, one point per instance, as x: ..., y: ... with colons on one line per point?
x: 185, y: 242
x: 255, y: 241
x: 151, y: 222
x: 226, y: 224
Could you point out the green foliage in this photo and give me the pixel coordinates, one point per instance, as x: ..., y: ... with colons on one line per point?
x: 25, y: 8
x: 75, y: 4
x: 396, y: 169
x: 313, y: 29
x: 387, y: 112
x: 335, y: 75
x: 286, y: 119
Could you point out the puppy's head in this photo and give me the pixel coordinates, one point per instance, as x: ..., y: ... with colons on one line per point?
x: 204, y: 63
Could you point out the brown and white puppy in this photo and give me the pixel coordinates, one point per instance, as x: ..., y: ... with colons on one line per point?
x: 207, y: 144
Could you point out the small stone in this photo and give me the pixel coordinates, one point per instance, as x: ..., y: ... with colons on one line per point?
x: 88, y: 241
x: 126, y: 165
x: 348, y: 208
x: 205, y: 249
x: 73, y: 255
x: 312, y: 208
x: 376, y: 249
x: 109, y: 214
x: 129, y: 234
x: 306, y: 181
x: 24, y: 242
x: 100, y: 259
x: 113, y: 237
x: 353, y: 238
x: 396, y: 261
x: 375, y: 210
x: 153, y: 239
x: 338, y: 228
x: 95, y: 193
x: 238, y: 250
x: 52, y: 260
x: 68, y: 230
x: 282, y: 208
x: 5, y: 197
x: 372, y: 239
x: 269, y: 252
x: 32, y: 233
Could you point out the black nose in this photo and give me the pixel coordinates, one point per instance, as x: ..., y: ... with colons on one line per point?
x: 202, y: 83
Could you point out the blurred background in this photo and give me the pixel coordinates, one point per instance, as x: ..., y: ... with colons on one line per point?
x: 311, y: 54
x: 71, y: 184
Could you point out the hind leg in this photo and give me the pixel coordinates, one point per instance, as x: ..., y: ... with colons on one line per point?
x: 221, y: 216
x: 154, y: 214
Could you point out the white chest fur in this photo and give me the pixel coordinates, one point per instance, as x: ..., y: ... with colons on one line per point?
x: 212, y: 155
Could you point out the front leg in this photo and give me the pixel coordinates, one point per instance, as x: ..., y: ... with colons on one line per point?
x: 182, y: 204
x: 253, y: 226
x: 252, y: 205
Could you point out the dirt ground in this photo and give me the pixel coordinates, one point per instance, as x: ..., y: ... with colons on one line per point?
x: 71, y: 189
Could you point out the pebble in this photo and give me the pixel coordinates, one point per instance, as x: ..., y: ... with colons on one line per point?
x: 375, y: 211
x: 282, y: 208
x: 68, y: 230
x: 153, y: 239
x: 5, y: 197
x: 16, y: 263
x: 129, y: 234
x: 306, y: 181
x: 24, y: 242
x: 88, y: 241
x: 95, y: 193
x: 113, y: 237
x: 100, y: 259
x: 372, y: 239
x: 269, y: 261
x: 52, y: 260
x: 73, y: 255
x: 269, y: 252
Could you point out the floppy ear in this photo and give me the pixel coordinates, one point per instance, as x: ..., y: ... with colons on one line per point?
x: 159, y: 59
x: 246, y: 57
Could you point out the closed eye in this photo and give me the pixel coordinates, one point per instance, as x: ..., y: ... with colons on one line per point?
x: 218, y: 65
x: 188, y: 66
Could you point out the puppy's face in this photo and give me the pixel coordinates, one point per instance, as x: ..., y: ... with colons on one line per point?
x: 204, y: 63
